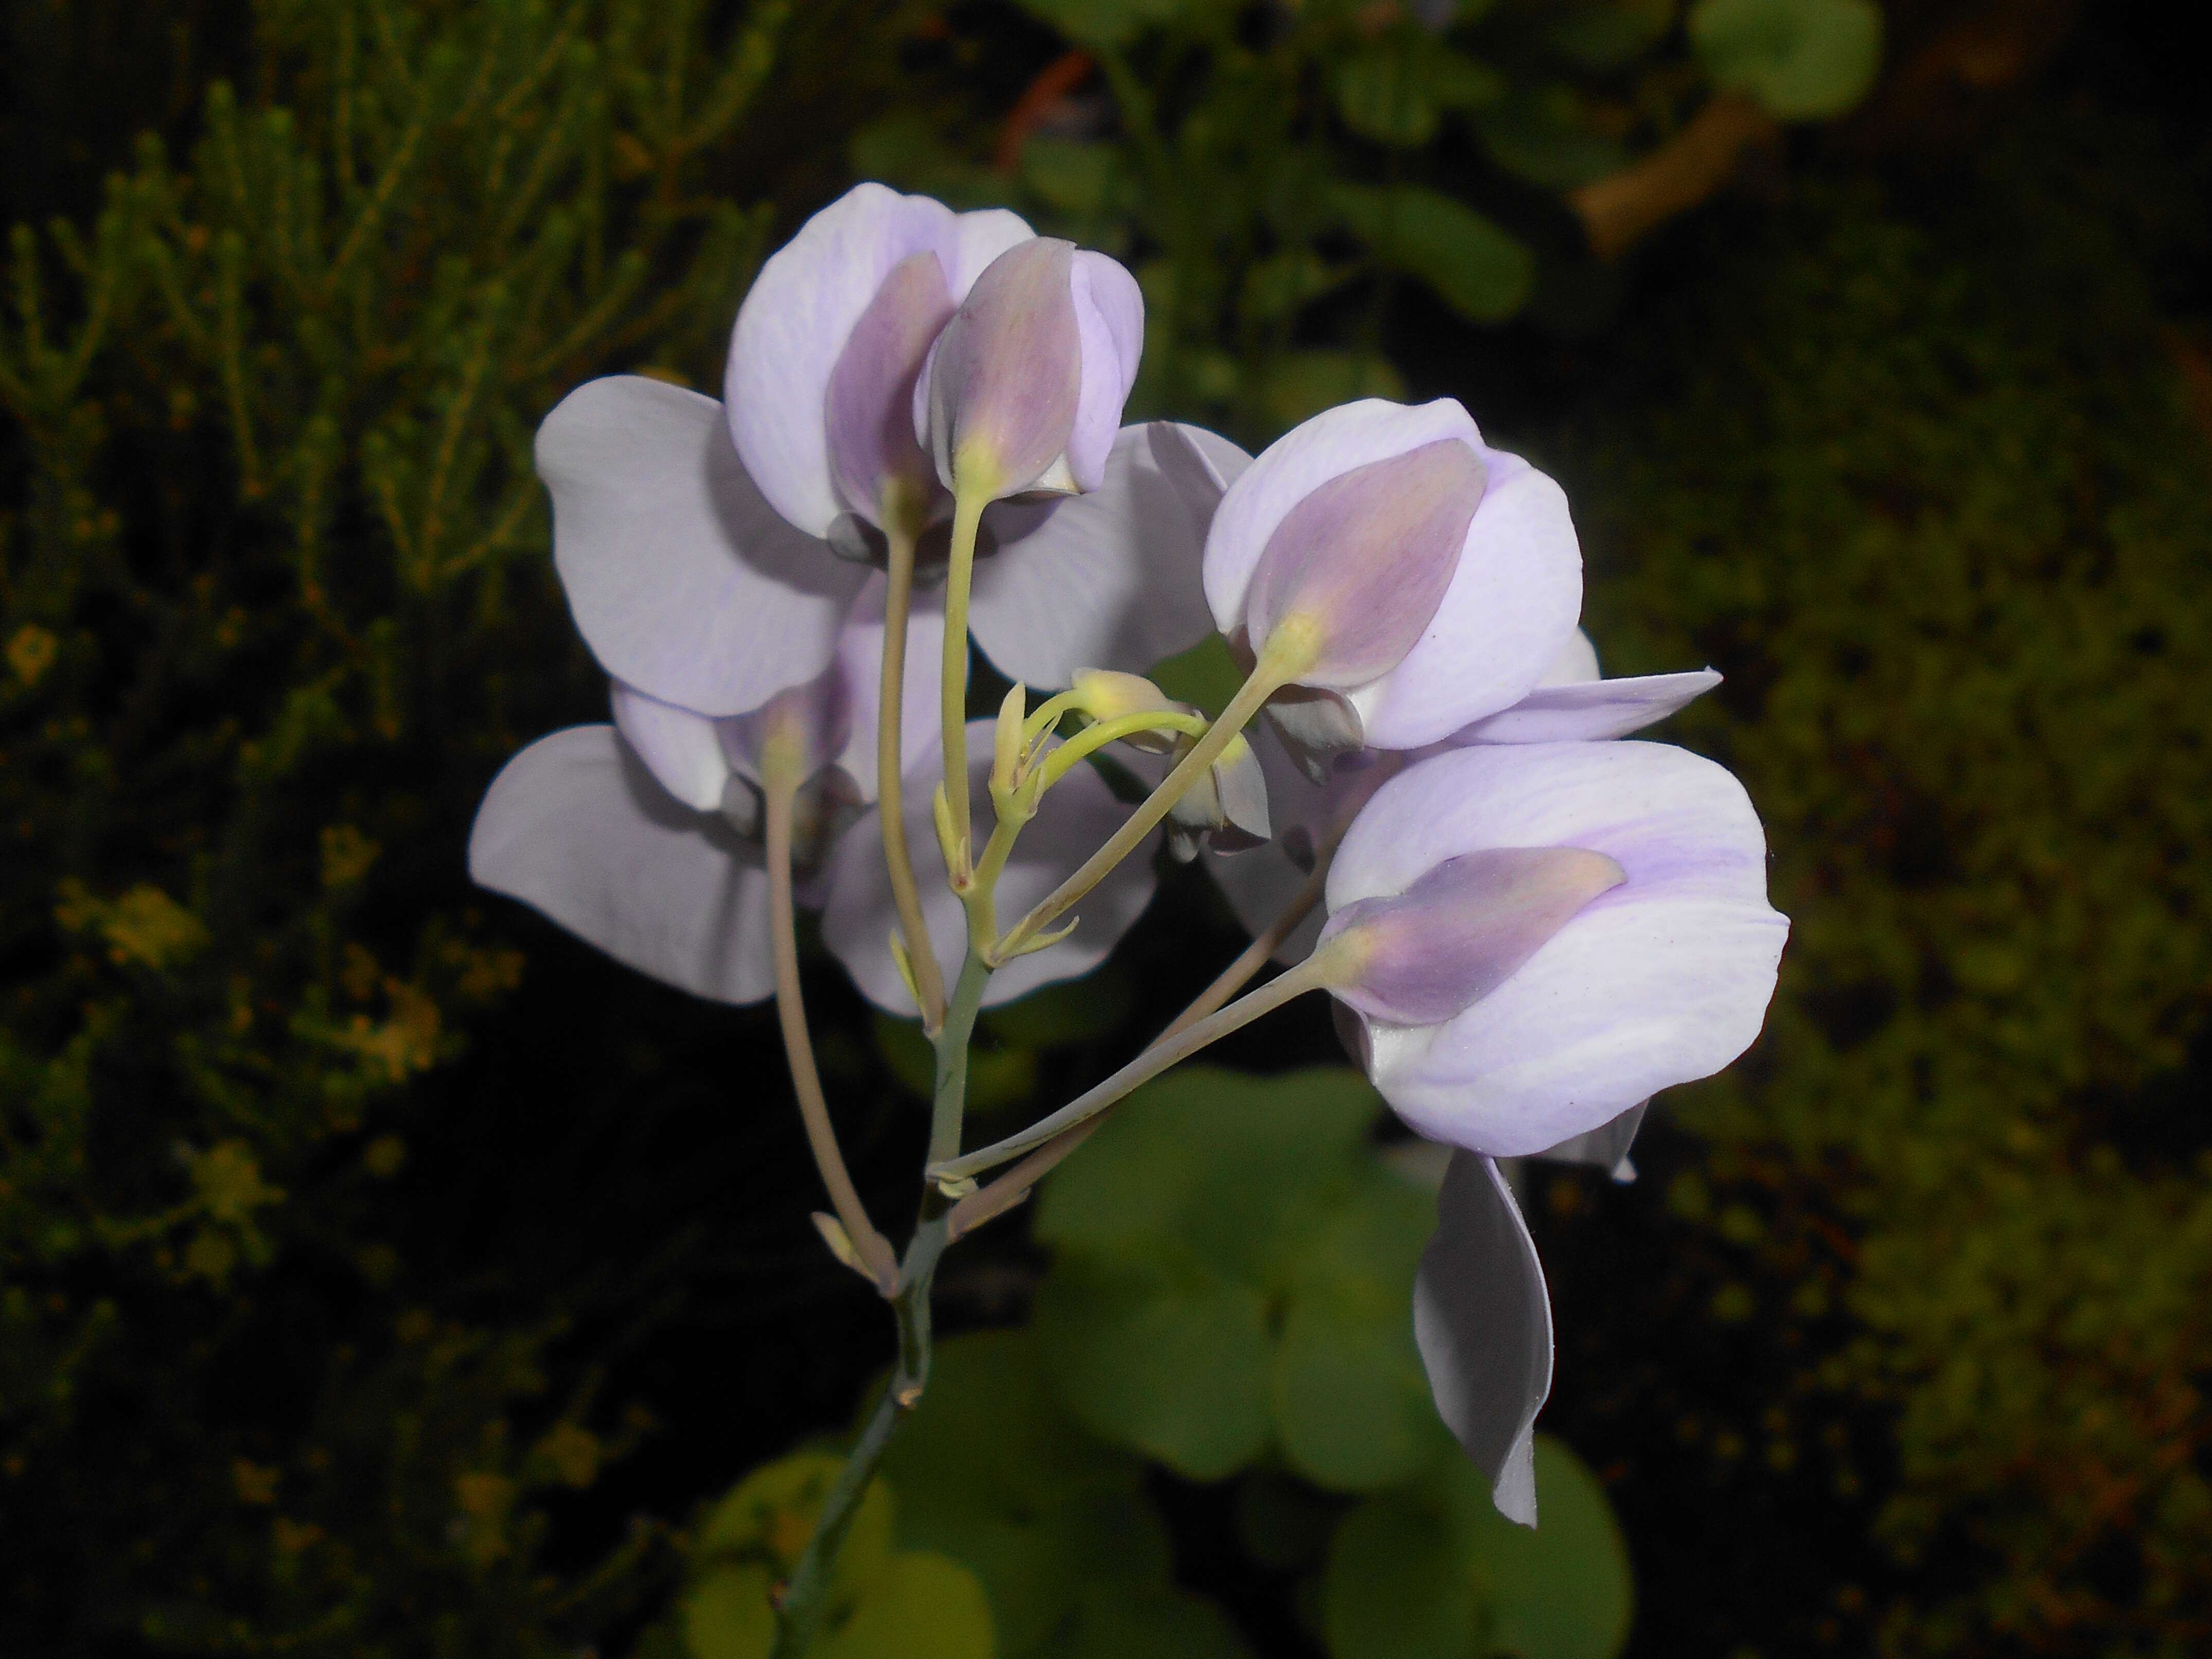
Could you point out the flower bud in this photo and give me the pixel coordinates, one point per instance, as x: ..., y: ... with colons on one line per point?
x: 1226, y: 810
x: 1024, y: 387
x: 873, y: 457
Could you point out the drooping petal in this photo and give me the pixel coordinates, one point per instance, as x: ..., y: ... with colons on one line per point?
x: 683, y: 581
x: 1662, y: 980
x: 1507, y: 616
x: 1482, y: 1320
x: 1077, y: 815
x: 1590, y: 711
x: 682, y: 750
x: 1110, y: 323
x: 1291, y: 468
x: 859, y: 664
x: 1110, y: 579
x: 575, y: 827
x: 1364, y: 559
x: 1005, y: 378
x: 1463, y: 928
x: 1604, y: 1147
x: 801, y: 311
x: 871, y: 393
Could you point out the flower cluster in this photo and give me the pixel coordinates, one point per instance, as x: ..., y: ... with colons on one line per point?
x: 1419, y: 801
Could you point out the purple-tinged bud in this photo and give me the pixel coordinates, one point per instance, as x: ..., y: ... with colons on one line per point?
x: 1024, y: 387
x: 1364, y: 559
x: 872, y: 452
x: 1462, y: 929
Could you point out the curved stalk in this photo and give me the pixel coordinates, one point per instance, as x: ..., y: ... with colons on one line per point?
x: 1317, y: 972
x: 898, y: 601
x: 806, y: 1597
x: 1012, y: 1187
x: 780, y: 786
x: 1273, y: 671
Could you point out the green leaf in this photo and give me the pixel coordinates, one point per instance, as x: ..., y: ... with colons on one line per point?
x: 1561, y: 1589
x: 1300, y: 383
x: 1802, y: 59
x: 769, y: 1515
x: 1233, y: 1267
x: 1073, y: 176
x: 1541, y: 134
x: 999, y: 1075
x: 1470, y: 264
x: 1433, y: 1569
x: 726, y: 1614
x: 1205, y: 675
x: 1156, y: 1623
x: 1169, y: 1358
x: 1104, y: 22
x: 1397, y: 1584
x: 1609, y: 35
x: 1381, y: 94
x: 926, y: 1606
x: 1074, y: 1011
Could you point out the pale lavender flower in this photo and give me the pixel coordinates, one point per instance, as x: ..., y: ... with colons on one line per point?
x: 1437, y: 578
x: 1028, y: 380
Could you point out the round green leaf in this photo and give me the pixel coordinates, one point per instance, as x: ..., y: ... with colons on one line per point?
x: 726, y: 1614
x: 1470, y: 264
x: 1157, y: 1623
x: 1802, y: 59
x: 1171, y: 1359
x: 925, y: 1606
x: 1397, y: 1584
x: 1562, y: 1589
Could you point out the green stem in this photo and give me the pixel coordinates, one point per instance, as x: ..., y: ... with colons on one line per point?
x: 805, y: 1598
x: 1324, y: 968
x: 1276, y: 669
x: 898, y: 599
x: 968, y: 506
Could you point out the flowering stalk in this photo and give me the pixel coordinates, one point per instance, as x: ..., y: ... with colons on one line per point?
x: 805, y: 1596
x: 1324, y: 969
x: 968, y: 505
x: 780, y: 778
x: 898, y: 600
x: 1288, y: 651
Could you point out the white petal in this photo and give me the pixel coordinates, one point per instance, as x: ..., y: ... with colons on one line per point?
x: 683, y: 750
x: 575, y: 827
x: 683, y: 581
x: 1108, y: 580
x: 1482, y: 1319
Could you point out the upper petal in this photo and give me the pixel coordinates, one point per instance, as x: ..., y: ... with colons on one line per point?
x: 1110, y: 321
x: 1110, y: 579
x: 1332, y: 443
x: 1482, y: 1319
x: 1077, y: 815
x: 683, y: 581
x: 575, y: 827
x: 1505, y: 618
x: 801, y: 309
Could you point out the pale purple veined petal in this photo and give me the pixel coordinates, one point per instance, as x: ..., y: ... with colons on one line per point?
x: 1576, y: 663
x: 1604, y: 1147
x: 1482, y: 1320
x: 1505, y: 618
x: 1111, y: 579
x: 859, y: 662
x: 1366, y: 557
x: 575, y: 827
x: 1331, y: 444
x: 1109, y: 322
x: 801, y: 311
x: 1003, y: 381
x: 816, y: 717
x: 1077, y: 815
x: 683, y: 750
x: 871, y: 395
x: 1662, y: 980
x: 1591, y: 711
x: 1463, y: 928
x: 683, y: 581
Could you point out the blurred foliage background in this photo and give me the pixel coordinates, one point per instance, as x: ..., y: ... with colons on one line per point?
x: 382, y: 1273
